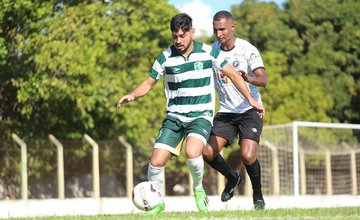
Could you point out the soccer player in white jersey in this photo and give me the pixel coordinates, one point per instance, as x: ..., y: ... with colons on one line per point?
x: 187, y: 69
x: 235, y: 115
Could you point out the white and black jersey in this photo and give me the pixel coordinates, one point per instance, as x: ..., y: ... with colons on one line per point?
x: 243, y: 56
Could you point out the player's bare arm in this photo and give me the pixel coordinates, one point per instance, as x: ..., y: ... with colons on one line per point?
x: 240, y: 85
x: 260, y: 80
x: 139, y: 91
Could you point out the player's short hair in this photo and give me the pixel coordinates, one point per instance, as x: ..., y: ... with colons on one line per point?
x: 223, y: 15
x: 182, y: 22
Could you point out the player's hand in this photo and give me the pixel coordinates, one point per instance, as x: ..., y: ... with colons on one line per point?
x: 260, y: 109
x: 125, y: 99
x: 261, y: 112
x: 245, y: 76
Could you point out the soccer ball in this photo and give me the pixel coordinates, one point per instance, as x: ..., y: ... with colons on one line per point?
x: 145, y: 196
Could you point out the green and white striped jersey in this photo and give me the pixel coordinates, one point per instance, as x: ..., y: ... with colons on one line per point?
x: 189, y: 83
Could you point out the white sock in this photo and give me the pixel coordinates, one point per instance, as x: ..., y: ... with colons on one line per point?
x: 196, y: 167
x: 155, y: 175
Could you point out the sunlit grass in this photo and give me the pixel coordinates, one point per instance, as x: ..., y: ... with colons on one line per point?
x: 348, y: 213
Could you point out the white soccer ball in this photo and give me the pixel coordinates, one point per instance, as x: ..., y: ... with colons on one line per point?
x: 145, y: 196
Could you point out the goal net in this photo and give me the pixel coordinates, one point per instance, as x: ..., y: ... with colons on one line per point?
x: 310, y: 158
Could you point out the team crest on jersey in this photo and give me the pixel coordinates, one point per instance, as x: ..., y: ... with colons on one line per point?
x: 198, y: 66
x: 254, y: 56
x: 236, y: 63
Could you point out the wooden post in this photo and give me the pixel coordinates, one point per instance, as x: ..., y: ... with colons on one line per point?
x: 95, y: 166
x: 276, y: 175
x: 353, y: 173
x: 191, y: 193
x: 129, y: 166
x: 302, y: 172
x: 60, y: 166
x: 329, y: 188
x: 247, y: 186
x: 275, y: 167
x: 24, y: 176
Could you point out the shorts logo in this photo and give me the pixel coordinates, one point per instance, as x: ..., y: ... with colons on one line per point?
x: 254, y: 130
x: 198, y: 66
x: 205, y: 132
x: 160, y: 132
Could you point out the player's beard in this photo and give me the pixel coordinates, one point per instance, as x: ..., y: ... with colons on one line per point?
x: 184, y: 49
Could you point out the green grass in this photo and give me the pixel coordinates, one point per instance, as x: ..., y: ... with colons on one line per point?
x: 347, y: 213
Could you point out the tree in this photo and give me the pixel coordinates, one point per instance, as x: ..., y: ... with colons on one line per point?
x: 315, y: 37
x: 74, y: 63
x: 66, y: 64
x: 328, y: 30
x: 287, y: 97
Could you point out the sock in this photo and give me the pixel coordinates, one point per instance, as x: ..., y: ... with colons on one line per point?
x: 196, y: 168
x: 155, y: 175
x: 254, y: 172
x: 219, y: 164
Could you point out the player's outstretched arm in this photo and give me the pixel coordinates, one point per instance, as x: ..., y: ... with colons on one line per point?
x: 141, y: 90
x: 240, y: 85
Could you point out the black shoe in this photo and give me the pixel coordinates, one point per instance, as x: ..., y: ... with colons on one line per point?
x: 259, y: 204
x: 234, y: 179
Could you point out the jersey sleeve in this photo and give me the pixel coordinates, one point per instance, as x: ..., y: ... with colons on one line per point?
x: 253, y: 57
x: 158, y: 70
x: 219, y: 60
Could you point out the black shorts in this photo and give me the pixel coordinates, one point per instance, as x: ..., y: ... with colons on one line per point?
x: 247, y: 125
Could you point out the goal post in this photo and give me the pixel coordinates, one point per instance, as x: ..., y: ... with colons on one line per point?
x: 303, y: 140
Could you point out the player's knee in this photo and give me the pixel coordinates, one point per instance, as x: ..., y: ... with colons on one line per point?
x: 156, y: 162
x: 248, y: 158
x: 208, y: 153
x: 192, y: 153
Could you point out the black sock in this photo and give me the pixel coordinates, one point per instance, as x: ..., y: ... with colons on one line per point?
x: 254, y: 172
x: 219, y: 164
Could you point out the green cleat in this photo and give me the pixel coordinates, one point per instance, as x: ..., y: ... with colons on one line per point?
x: 202, y: 201
x: 159, y: 208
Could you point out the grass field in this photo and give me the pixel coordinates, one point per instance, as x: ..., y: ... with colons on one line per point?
x: 347, y: 213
